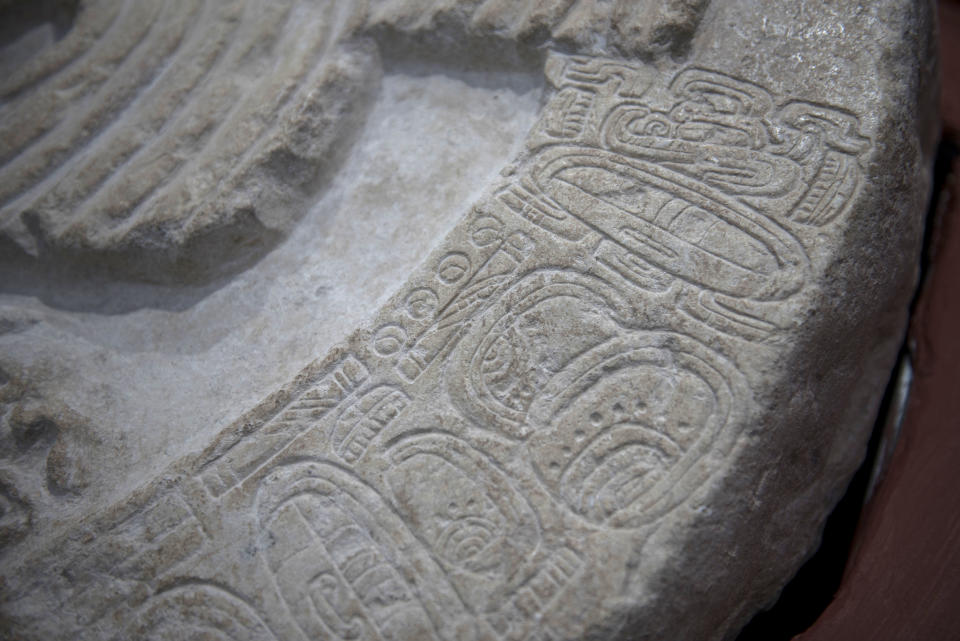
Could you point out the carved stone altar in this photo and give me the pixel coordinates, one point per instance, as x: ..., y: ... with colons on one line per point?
x: 608, y: 295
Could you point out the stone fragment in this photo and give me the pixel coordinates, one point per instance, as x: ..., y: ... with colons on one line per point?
x: 608, y: 295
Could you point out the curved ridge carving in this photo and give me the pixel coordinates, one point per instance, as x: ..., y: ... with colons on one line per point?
x: 345, y: 563
x: 621, y: 429
x: 197, y: 609
x: 477, y: 520
x: 506, y: 360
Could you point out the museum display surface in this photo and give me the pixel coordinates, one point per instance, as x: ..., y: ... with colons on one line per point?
x: 438, y: 319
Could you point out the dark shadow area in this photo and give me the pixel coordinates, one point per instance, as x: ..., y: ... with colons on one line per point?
x: 20, y: 17
x: 813, y: 588
x: 121, y: 281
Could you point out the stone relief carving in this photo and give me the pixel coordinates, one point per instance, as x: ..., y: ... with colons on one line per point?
x: 568, y: 379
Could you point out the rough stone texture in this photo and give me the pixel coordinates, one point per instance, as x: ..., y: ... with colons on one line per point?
x: 903, y: 579
x: 608, y: 392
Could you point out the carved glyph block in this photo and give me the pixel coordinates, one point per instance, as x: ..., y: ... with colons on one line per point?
x: 615, y: 399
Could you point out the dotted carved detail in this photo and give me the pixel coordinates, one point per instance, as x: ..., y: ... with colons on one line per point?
x: 614, y: 418
x: 624, y: 427
x: 377, y: 508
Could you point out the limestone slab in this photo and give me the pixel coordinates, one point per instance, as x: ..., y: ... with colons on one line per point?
x: 445, y: 320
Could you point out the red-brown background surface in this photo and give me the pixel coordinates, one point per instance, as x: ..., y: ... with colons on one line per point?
x: 902, y: 580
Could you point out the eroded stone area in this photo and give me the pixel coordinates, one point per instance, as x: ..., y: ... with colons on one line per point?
x: 152, y: 393
x: 615, y: 399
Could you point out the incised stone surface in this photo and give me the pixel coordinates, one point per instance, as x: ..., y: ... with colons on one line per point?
x: 492, y: 320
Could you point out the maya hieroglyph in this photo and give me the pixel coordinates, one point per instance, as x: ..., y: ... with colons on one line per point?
x: 443, y: 320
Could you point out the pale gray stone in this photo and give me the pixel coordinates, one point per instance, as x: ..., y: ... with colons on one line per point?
x: 436, y: 319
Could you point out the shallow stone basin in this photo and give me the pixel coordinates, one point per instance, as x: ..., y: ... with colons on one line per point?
x: 414, y: 320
